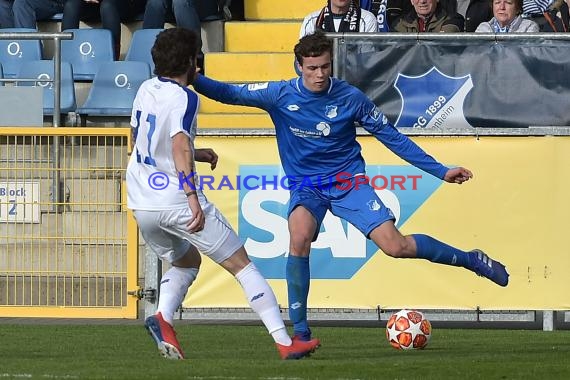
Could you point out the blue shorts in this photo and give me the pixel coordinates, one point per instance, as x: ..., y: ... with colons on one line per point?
x: 359, y: 205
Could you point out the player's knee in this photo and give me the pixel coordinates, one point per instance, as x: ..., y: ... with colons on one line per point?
x: 191, y: 259
x: 396, y: 248
x: 300, y: 243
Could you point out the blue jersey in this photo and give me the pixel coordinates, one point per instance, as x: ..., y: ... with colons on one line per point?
x: 316, y: 132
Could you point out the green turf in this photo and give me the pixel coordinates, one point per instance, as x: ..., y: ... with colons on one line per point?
x: 247, y: 352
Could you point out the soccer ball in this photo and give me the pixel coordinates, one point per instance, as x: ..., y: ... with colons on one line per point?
x: 408, y: 330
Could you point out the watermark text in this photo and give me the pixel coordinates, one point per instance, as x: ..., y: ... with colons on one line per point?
x: 342, y: 181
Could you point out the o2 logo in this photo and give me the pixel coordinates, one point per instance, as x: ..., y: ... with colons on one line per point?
x: 340, y: 249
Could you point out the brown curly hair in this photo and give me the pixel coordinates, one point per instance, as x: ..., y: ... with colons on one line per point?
x: 174, y: 52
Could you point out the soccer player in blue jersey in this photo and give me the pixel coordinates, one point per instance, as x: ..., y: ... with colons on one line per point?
x: 177, y: 220
x: 314, y: 118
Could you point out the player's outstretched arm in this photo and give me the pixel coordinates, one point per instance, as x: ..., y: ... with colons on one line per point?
x: 252, y: 95
x: 458, y: 175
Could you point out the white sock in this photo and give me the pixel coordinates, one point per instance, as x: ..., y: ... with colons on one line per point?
x: 173, y: 287
x: 262, y: 300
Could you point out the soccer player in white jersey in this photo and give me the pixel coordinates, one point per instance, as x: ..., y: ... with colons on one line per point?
x: 174, y: 216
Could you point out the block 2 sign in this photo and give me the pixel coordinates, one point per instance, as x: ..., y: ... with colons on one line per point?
x: 19, y: 202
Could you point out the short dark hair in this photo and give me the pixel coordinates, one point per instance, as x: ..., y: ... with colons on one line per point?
x: 174, y: 52
x: 313, y: 45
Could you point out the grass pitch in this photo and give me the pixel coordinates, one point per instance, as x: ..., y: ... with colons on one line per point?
x: 247, y: 352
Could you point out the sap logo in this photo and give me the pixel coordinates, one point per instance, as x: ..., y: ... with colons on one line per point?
x: 340, y: 249
x: 432, y: 100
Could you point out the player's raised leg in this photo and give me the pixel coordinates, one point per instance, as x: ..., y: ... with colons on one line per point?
x: 394, y: 244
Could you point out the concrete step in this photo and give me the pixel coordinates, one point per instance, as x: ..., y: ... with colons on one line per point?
x: 250, y: 67
x: 104, y: 228
x: 237, y: 120
x: 279, y: 36
x: 211, y: 106
x: 45, y: 257
x: 63, y: 290
x: 280, y: 10
x: 20, y: 234
x: 73, y: 228
x: 80, y: 152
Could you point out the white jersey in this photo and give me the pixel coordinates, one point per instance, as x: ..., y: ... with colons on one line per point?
x: 368, y: 23
x: 161, y: 109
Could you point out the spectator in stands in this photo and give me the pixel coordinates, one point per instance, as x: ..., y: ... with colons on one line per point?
x: 25, y: 13
x: 224, y: 7
x: 462, y: 6
x: 339, y: 16
x: 507, y: 19
x: 430, y: 16
x: 396, y: 8
x: 378, y: 9
x: 185, y: 14
x: 565, y: 13
x: 477, y: 11
x: 110, y: 12
x: 544, y: 13
x: 6, y: 15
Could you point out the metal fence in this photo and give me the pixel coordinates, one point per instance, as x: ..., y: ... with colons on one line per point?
x: 68, y: 245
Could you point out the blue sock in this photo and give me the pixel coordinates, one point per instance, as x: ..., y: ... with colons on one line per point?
x: 298, y: 277
x: 437, y: 252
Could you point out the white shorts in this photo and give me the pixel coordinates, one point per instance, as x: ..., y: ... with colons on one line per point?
x: 166, y: 233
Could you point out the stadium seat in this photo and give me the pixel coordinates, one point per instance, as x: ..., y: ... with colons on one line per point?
x: 14, y: 52
x: 87, y: 50
x: 114, y: 88
x: 43, y: 70
x: 141, y: 44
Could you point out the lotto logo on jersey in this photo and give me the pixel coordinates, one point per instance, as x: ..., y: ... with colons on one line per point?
x: 340, y: 249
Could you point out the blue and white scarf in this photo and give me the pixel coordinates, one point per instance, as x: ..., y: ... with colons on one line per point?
x: 497, y: 28
x: 350, y: 21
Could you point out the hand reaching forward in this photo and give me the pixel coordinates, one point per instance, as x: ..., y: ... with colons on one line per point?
x: 458, y: 175
x: 206, y: 155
